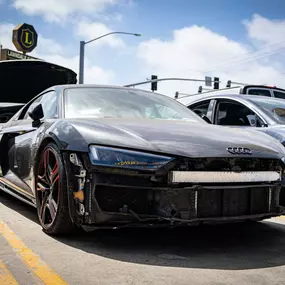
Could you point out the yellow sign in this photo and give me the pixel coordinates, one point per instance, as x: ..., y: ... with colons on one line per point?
x: 25, y: 37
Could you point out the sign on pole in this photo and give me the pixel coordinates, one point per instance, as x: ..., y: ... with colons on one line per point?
x: 25, y: 38
x: 208, y: 81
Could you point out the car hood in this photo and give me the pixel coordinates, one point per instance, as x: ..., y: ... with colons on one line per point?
x: 21, y: 80
x: 170, y: 137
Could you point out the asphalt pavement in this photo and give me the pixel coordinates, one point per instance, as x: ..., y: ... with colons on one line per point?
x: 252, y: 253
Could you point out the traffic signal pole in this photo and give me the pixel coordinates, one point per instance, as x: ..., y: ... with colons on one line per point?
x: 164, y: 79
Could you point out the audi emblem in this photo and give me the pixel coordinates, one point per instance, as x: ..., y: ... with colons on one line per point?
x: 239, y: 150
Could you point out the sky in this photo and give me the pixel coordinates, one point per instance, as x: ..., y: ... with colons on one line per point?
x: 242, y: 41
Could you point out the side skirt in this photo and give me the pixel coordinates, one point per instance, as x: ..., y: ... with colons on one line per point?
x: 15, y: 194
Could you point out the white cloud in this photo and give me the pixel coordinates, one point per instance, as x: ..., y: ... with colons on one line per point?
x: 264, y: 30
x: 89, y: 30
x: 58, y: 10
x: 194, y: 52
x: 52, y: 51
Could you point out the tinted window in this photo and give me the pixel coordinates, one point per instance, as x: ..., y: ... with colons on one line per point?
x: 123, y: 103
x: 200, y: 108
x: 261, y: 92
x: 279, y: 94
x: 231, y: 113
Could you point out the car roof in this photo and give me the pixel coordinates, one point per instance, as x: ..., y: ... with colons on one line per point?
x: 66, y: 86
x: 245, y: 97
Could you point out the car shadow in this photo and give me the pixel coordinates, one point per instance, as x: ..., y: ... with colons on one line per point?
x: 229, y: 247
x: 19, y: 206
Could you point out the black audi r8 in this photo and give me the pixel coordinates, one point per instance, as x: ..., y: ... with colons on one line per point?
x: 94, y: 156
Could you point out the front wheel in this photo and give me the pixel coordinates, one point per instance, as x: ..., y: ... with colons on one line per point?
x: 51, y: 192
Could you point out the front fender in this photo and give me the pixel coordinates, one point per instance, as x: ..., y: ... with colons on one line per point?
x: 67, y: 137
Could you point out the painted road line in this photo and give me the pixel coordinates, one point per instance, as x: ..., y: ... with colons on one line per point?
x: 42, y: 270
x: 6, y: 278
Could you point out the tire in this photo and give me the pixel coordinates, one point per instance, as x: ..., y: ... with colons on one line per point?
x: 51, y: 192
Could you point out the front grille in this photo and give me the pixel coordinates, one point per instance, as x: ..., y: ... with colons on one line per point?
x: 227, y: 164
x: 232, y: 202
x: 186, y: 204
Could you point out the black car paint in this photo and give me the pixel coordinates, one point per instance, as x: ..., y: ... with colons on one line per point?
x: 21, y: 145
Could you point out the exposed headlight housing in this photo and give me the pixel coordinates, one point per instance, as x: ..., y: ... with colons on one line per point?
x: 122, y: 158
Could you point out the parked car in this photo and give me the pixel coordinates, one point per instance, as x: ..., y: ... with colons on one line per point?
x: 94, y: 156
x: 254, y: 112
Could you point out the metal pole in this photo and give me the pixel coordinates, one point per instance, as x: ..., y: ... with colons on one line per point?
x: 81, y: 62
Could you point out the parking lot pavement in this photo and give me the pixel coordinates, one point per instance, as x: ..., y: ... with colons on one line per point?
x: 251, y: 253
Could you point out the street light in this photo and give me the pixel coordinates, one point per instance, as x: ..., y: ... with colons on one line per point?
x: 82, y: 51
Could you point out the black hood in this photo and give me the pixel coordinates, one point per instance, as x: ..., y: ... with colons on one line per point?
x: 170, y: 137
x: 24, y: 79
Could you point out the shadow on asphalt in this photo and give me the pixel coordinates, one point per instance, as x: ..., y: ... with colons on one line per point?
x: 228, y: 247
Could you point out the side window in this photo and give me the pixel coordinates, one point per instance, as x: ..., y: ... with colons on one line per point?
x: 260, y: 92
x: 231, y: 113
x: 26, y: 116
x: 279, y: 94
x: 49, y: 103
x: 200, y: 108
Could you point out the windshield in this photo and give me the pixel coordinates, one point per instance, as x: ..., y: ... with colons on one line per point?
x: 109, y: 102
x: 274, y: 108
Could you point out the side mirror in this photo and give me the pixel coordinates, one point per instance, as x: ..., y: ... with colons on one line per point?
x: 37, y: 114
x: 205, y: 118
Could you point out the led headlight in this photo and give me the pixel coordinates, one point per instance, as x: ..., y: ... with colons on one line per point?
x: 116, y: 157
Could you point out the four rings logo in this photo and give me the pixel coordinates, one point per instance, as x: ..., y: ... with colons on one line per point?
x: 239, y: 150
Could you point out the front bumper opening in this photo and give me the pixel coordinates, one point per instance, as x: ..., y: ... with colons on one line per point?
x: 185, y: 204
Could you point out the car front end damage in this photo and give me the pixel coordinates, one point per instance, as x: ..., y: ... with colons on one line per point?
x: 113, y: 191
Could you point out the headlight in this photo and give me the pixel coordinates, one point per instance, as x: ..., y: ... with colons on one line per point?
x: 115, y: 157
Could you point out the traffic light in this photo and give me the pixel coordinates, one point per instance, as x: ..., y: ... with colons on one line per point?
x: 153, y: 84
x: 200, y: 89
x: 229, y: 84
x: 216, y: 83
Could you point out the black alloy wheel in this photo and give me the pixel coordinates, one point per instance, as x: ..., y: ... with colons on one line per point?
x: 51, y: 192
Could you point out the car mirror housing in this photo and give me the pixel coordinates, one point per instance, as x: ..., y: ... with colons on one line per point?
x: 37, y: 114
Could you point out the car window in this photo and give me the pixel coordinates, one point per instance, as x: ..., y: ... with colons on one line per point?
x: 260, y: 92
x: 200, y: 108
x: 102, y: 102
x: 49, y: 103
x: 231, y: 113
x: 26, y: 116
x: 279, y: 94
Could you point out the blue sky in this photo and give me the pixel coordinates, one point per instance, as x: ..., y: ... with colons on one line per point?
x: 208, y: 35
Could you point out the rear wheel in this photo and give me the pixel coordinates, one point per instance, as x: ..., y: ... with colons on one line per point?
x: 51, y: 192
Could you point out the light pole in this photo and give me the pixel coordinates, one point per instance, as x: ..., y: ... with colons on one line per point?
x: 82, y: 51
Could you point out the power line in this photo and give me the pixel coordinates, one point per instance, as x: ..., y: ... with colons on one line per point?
x: 255, y: 55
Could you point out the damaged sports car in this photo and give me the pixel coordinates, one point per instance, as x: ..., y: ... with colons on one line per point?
x: 94, y: 156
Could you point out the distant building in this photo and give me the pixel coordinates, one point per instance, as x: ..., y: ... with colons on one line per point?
x: 7, y: 54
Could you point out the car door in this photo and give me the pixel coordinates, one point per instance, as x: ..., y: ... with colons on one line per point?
x: 19, y: 137
x: 228, y: 112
